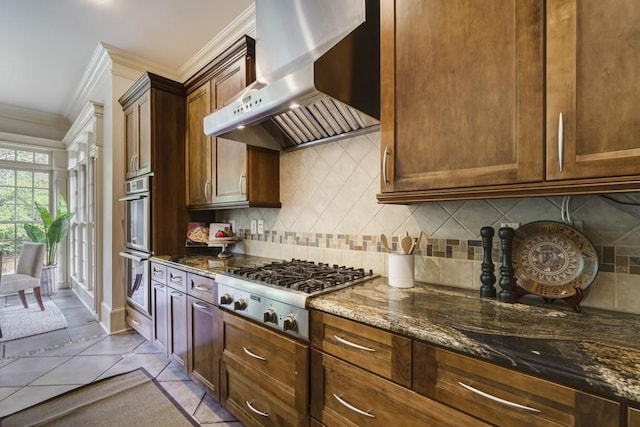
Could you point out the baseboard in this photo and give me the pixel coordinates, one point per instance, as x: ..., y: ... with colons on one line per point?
x: 113, y: 320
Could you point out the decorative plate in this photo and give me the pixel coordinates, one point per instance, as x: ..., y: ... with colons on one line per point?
x: 552, y: 259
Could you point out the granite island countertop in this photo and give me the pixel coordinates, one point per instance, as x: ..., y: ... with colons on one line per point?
x: 593, y: 350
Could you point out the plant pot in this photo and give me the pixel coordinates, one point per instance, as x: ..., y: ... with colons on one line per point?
x: 49, y: 280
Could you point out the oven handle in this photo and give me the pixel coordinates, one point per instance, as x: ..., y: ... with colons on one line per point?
x: 134, y: 257
x: 134, y: 197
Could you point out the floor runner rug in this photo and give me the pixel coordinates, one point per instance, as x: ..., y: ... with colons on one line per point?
x: 130, y: 399
x: 19, y: 322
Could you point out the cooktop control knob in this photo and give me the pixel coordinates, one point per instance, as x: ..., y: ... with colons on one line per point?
x: 289, y: 323
x: 270, y: 316
x: 226, y: 299
x: 240, y: 304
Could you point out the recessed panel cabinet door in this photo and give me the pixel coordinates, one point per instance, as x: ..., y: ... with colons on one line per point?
x: 198, y: 149
x: 230, y: 156
x: 462, y: 93
x: 593, y: 88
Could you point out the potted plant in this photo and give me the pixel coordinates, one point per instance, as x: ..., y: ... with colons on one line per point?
x: 54, y: 232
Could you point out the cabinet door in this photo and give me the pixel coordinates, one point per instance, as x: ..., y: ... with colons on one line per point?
x: 593, y: 58
x: 204, y: 338
x: 198, y: 148
x: 462, y: 93
x: 143, y: 159
x: 130, y: 139
x: 177, y: 339
x: 160, y: 316
x: 230, y: 157
x: 633, y: 417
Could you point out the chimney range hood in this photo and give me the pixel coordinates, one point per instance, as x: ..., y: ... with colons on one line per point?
x: 318, y: 76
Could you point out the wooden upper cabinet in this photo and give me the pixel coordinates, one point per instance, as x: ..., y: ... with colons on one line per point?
x: 593, y: 80
x: 222, y: 173
x: 462, y: 93
x: 138, y: 136
x: 198, y: 147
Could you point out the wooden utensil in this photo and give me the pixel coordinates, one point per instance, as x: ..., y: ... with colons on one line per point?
x: 405, y: 243
x: 385, y: 242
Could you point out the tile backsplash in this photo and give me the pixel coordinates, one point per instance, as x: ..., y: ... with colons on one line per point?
x: 329, y: 213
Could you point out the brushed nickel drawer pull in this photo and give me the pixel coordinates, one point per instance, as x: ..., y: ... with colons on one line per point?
x: 255, y: 356
x: 499, y: 400
x: 560, y: 142
x: 206, y: 193
x: 353, y: 408
x: 354, y: 345
x: 202, y: 288
x: 136, y: 322
x: 176, y: 294
x: 264, y: 414
x: 384, y: 164
x: 175, y: 279
x: 201, y: 305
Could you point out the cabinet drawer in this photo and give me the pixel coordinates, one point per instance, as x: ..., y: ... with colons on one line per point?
x: 159, y: 273
x: 381, y: 352
x: 256, y: 399
x: 139, y: 322
x: 283, y: 359
x: 474, y: 386
x: 201, y: 287
x: 177, y: 279
x: 343, y: 394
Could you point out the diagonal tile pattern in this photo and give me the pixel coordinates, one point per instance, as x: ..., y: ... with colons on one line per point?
x: 37, y: 368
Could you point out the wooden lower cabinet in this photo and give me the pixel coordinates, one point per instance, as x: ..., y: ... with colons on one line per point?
x: 504, y: 397
x: 264, y: 375
x: 633, y: 417
x: 345, y: 395
x: 160, y: 317
x: 177, y: 327
x: 203, y: 343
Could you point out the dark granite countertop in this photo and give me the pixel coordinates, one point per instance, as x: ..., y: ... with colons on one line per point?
x: 593, y: 350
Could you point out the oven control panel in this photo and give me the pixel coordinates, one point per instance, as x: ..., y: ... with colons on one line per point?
x: 265, y: 310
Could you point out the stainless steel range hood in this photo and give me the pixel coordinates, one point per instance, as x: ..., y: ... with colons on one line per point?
x: 318, y: 76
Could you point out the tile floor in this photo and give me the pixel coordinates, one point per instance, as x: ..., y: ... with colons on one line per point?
x: 35, y: 368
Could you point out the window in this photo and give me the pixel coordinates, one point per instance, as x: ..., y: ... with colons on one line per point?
x: 25, y: 178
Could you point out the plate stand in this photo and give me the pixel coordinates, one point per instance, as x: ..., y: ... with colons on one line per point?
x: 572, y: 301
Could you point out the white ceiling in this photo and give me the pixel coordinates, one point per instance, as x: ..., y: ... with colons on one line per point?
x: 46, y: 45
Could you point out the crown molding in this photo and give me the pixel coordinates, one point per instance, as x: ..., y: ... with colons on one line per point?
x: 84, y: 122
x: 243, y: 24
x: 20, y: 140
x: 34, y: 123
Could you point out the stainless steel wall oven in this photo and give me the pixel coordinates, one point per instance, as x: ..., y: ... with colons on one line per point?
x: 138, y: 242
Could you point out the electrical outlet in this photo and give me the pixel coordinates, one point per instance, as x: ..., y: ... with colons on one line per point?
x: 254, y: 226
x: 513, y: 225
x: 260, y: 226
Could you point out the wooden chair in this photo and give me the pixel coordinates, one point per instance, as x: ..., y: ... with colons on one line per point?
x: 27, y: 275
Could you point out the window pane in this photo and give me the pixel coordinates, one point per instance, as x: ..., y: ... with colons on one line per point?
x: 25, y: 156
x: 42, y: 159
x: 24, y: 196
x: 41, y: 196
x: 7, y: 154
x: 24, y: 178
x: 7, y: 232
x: 7, y: 212
x: 25, y: 213
x: 41, y: 180
x: 7, y: 177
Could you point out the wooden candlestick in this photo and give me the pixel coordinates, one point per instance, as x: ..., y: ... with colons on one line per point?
x: 507, y: 279
x: 488, y: 278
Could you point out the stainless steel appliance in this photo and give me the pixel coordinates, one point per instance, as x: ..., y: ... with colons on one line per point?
x: 317, y: 81
x: 138, y: 242
x: 138, y: 214
x: 276, y: 294
x: 137, y: 279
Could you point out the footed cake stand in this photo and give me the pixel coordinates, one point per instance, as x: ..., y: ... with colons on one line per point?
x: 224, y: 242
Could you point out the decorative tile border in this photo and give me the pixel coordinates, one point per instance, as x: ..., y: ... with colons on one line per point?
x: 623, y: 260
